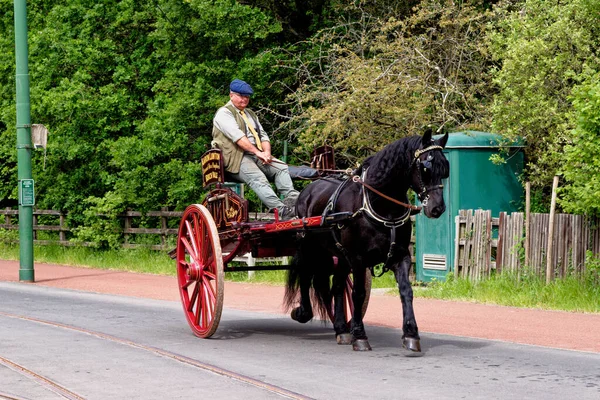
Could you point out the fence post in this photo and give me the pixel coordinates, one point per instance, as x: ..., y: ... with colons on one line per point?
x: 62, y: 236
x: 127, y: 225
x: 549, y: 258
x: 251, y: 263
x: 35, y: 222
x: 163, y: 226
x: 527, y: 224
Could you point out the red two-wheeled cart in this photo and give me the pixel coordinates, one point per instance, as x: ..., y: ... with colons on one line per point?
x: 215, y: 232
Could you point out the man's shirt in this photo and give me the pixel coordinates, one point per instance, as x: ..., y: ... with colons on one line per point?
x: 225, y: 121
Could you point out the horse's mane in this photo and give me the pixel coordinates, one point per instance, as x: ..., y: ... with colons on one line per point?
x: 392, y: 161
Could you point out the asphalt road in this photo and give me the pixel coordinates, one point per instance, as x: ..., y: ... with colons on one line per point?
x: 101, y: 346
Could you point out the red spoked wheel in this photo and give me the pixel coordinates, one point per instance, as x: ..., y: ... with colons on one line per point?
x: 200, y: 270
x: 348, y: 302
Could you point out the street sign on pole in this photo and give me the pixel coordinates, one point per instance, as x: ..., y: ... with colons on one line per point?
x: 26, y: 192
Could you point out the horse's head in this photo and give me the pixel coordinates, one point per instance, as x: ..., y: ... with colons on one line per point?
x: 429, y: 167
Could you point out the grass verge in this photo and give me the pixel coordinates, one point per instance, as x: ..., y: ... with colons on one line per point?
x: 567, y: 294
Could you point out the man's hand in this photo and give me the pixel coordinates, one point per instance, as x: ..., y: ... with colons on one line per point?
x: 265, y: 157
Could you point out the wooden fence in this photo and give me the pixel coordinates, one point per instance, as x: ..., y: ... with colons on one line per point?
x: 485, y: 243
x: 167, y: 220
x: 129, y: 218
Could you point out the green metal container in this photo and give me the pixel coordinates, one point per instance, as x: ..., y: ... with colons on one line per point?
x: 474, y: 183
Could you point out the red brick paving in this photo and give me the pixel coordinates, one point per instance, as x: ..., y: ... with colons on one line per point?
x: 557, y: 329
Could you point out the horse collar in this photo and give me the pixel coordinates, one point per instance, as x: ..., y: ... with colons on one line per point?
x: 368, y: 209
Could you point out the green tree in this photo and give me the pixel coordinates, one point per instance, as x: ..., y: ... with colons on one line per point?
x: 543, y: 51
x: 581, y: 169
x: 128, y: 90
x: 375, y: 79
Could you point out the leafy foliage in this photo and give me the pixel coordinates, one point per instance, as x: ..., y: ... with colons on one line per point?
x: 372, y: 80
x: 128, y: 89
x: 581, y: 170
x: 543, y: 51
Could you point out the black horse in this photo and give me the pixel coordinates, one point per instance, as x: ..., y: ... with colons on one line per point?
x: 371, y: 215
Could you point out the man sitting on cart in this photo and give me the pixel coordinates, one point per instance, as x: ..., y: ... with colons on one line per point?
x: 246, y: 151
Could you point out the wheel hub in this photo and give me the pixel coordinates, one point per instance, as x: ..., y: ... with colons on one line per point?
x: 194, y: 271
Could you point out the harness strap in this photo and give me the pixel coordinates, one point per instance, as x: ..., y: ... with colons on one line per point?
x: 333, y: 200
x: 426, y: 149
x: 358, y: 179
x: 329, y: 208
x: 390, y: 255
x: 370, y: 213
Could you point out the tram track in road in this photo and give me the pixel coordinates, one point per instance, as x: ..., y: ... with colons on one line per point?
x: 64, y: 392
x: 43, y: 381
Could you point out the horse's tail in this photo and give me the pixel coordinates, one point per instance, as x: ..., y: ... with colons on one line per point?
x: 293, y: 284
x: 310, y: 270
x: 321, y: 295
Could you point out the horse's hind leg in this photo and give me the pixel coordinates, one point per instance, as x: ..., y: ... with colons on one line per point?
x: 303, y: 273
x: 303, y: 313
x: 410, y: 337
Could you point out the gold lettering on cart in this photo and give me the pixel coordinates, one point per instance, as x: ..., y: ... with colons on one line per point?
x: 232, y: 213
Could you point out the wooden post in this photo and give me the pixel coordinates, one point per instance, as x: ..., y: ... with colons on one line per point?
x: 251, y: 262
x: 549, y: 258
x: 62, y: 236
x: 527, y: 226
x: 127, y: 226
x: 163, y: 226
x: 35, y: 222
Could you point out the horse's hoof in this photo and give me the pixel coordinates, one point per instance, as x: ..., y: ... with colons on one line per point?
x: 344, y: 338
x: 361, y: 345
x: 298, y: 316
x: 413, y: 346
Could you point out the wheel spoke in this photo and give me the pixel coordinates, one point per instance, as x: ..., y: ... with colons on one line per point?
x: 193, y: 298
x: 206, y: 247
x: 210, y: 273
x: 187, y: 246
x: 190, y: 234
x: 186, y: 266
x: 198, y: 237
x: 208, y: 305
x: 206, y: 309
x: 188, y: 283
x: 210, y: 290
x: 199, y: 308
x: 209, y: 264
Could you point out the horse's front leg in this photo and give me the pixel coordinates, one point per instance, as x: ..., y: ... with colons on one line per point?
x: 410, y: 337
x: 340, y: 325
x: 360, y: 341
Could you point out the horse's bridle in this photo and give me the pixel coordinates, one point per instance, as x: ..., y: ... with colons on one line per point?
x: 423, y: 190
x: 423, y: 193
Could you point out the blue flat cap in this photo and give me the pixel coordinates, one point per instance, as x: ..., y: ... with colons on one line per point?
x: 241, y: 87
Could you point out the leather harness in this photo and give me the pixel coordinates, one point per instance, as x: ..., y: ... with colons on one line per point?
x: 371, y: 215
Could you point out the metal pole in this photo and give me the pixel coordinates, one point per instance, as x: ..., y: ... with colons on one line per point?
x: 26, y: 272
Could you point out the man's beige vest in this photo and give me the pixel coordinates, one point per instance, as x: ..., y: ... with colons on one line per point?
x: 232, y: 153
